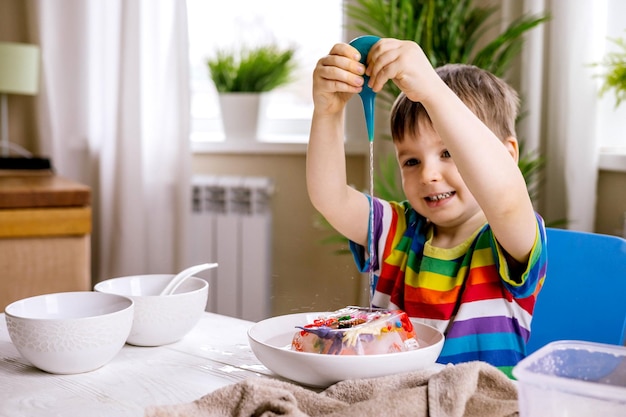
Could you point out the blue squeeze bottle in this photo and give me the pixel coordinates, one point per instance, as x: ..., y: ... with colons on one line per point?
x: 363, y: 44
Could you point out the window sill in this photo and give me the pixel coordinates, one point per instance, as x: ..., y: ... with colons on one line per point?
x: 269, y: 146
x: 612, y: 159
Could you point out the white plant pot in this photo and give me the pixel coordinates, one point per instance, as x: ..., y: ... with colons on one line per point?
x: 241, y: 114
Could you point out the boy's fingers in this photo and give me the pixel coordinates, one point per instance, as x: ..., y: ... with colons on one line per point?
x: 380, y: 73
x: 346, y: 57
x: 346, y: 50
x: 331, y: 78
x: 345, y: 63
x: 347, y: 83
x: 339, y: 68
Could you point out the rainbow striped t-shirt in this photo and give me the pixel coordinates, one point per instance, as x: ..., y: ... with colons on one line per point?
x: 466, y: 292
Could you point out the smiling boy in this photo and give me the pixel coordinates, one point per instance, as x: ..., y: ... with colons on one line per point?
x: 465, y: 252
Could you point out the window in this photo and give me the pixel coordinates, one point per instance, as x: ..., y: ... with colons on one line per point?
x: 312, y: 27
x: 611, y: 119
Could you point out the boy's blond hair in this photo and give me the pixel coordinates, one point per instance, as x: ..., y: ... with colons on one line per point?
x: 490, y: 98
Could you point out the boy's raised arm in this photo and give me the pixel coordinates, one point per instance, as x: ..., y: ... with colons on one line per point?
x: 337, y: 77
x: 489, y: 171
x: 487, y: 167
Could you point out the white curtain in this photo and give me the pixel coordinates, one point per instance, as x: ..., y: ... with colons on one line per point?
x: 114, y: 113
x: 562, y: 104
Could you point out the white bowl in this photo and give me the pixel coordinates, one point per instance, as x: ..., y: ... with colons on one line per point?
x: 270, y: 341
x: 70, y: 332
x: 159, y: 320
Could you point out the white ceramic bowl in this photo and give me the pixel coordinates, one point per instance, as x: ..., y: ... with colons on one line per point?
x: 159, y: 320
x: 270, y: 341
x: 70, y: 332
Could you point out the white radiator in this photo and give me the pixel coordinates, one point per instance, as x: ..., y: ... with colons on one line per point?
x: 231, y: 224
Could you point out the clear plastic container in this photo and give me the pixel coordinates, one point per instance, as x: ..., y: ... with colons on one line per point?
x: 573, y: 379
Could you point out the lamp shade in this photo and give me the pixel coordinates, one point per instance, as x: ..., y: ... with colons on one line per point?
x: 19, y: 68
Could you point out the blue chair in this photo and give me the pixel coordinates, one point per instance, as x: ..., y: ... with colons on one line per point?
x: 584, y: 294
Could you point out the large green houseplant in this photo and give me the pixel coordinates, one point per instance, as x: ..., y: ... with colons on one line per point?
x: 241, y: 78
x: 449, y: 31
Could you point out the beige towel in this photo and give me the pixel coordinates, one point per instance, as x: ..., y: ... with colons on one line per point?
x: 469, y: 389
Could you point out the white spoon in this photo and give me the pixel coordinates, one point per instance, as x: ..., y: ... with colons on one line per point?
x: 183, y: 275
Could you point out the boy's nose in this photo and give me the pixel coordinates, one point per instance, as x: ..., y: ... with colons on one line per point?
x: 430, y: 172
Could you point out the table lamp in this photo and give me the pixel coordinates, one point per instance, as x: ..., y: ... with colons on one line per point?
x: 19, y: 74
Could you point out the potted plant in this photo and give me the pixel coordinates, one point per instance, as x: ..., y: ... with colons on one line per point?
x: 241, y: 78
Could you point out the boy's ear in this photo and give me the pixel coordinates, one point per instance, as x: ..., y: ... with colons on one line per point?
x: 512, y: 146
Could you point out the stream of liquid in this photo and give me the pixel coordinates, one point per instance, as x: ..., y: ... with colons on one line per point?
x: 371, y: 228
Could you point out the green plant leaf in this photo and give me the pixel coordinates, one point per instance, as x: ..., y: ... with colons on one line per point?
x: 254, y: 70
x: 614, y: 72
x: 497, y: 55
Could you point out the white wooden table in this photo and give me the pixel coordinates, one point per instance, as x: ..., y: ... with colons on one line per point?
x: 214, y: 354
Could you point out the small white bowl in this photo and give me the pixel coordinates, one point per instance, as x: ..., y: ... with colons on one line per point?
x: 159, y: 319
x: 270, y: 341
x: 70, y: 332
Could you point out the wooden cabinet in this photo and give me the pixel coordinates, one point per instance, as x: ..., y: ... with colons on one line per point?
x: 45, y: 234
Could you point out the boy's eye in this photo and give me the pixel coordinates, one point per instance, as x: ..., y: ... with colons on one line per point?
x: 445, y: 154
x: 411, y: 162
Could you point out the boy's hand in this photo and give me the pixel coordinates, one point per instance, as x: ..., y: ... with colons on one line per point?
x: 405, y: 64
x: 336, y: 78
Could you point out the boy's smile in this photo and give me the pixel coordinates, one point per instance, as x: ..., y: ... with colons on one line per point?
x: 436, y: 199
